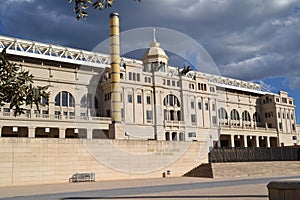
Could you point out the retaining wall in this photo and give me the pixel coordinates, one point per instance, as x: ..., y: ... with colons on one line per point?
x: 27, y: 161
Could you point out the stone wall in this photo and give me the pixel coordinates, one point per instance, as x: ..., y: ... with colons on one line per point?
x: 26, y: 161
x: 242, y: 169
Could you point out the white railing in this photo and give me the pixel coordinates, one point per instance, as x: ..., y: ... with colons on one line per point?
x: 33, y: 49
x: 5, y: 115
x: 173, y: 123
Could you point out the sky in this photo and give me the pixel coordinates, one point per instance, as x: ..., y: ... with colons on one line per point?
x: 252, y: 40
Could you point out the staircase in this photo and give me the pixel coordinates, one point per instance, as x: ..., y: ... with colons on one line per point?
x: 203, y: 170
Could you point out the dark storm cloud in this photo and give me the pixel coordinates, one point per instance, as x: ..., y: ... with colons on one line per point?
x: 247, y: 39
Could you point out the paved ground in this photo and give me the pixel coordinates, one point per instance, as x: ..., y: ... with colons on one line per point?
x: 249, y: 188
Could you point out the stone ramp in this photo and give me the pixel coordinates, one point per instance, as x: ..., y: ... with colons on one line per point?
x: 203, y: 170
x: 245, y: 169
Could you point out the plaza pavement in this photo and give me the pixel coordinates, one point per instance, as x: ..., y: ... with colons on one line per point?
x: 245, y: 188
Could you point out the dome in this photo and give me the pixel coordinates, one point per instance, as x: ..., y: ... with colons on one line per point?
x: 155, y: 52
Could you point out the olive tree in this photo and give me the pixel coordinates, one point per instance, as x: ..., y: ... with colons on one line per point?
x: 17, y: 88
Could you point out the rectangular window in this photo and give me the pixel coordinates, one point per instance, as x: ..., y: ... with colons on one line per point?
x: 212, y: 89
x: 277, y: 100
x: 146, y: 79
x: 284, y: 100
x: 193, y: 118
x: 168, y: 82
x: 280, y: 126
x: 213, y: 107
x: 192, y: 134
x: 291, y: 102
x: 178, y: 84
x: 148, y: 100
x: 206, y: 106
x: 283, y: 116
x: 138, y: 77
x: 292, y: 116
x: 293, y: 127
x: 278, y: 114
x: 139, y: 98
x: 129, y: 98
x: 133, y: 76
x: 192, y: 104
x: 214, y: 120
x: 173, y: 83
x: 130, y: 76
x: 199, y: 106
x: 149, y: 115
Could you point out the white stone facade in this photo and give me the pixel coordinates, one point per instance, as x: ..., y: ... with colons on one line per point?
x: 158, y: 101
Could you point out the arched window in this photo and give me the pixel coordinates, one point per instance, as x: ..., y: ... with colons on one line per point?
x: 64, y: 99
x: 172, y: 110
x: 222, y: 113
x: 256, y: 117
x: 171, y: 100
x: 246, y: 116
x: 234, y: 115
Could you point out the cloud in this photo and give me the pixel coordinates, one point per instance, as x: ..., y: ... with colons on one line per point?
x: 20, y: 1
x: 249, y: 40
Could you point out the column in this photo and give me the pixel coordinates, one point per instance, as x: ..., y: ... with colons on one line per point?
x: 245, y: 141
x: 232, y: 140
x: 51, y: 108
x: 77, y: 110
x: 31, y: 132
x: 268, y: 141
x: 89, y: 133
x: 62, y: 133
x: 257, y: 141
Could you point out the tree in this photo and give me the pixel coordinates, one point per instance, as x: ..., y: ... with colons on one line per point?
x: 16, y: 86
x: 82, y: 5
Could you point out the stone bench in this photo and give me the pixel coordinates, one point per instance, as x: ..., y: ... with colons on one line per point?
x: 82, y: 177
x: 284, y: 190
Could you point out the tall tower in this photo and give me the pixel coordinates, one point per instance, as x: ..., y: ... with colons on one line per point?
x: 115, y: 74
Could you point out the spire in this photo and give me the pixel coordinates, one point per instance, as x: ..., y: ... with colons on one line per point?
x: 154, y: 43
x: 154, y: 36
